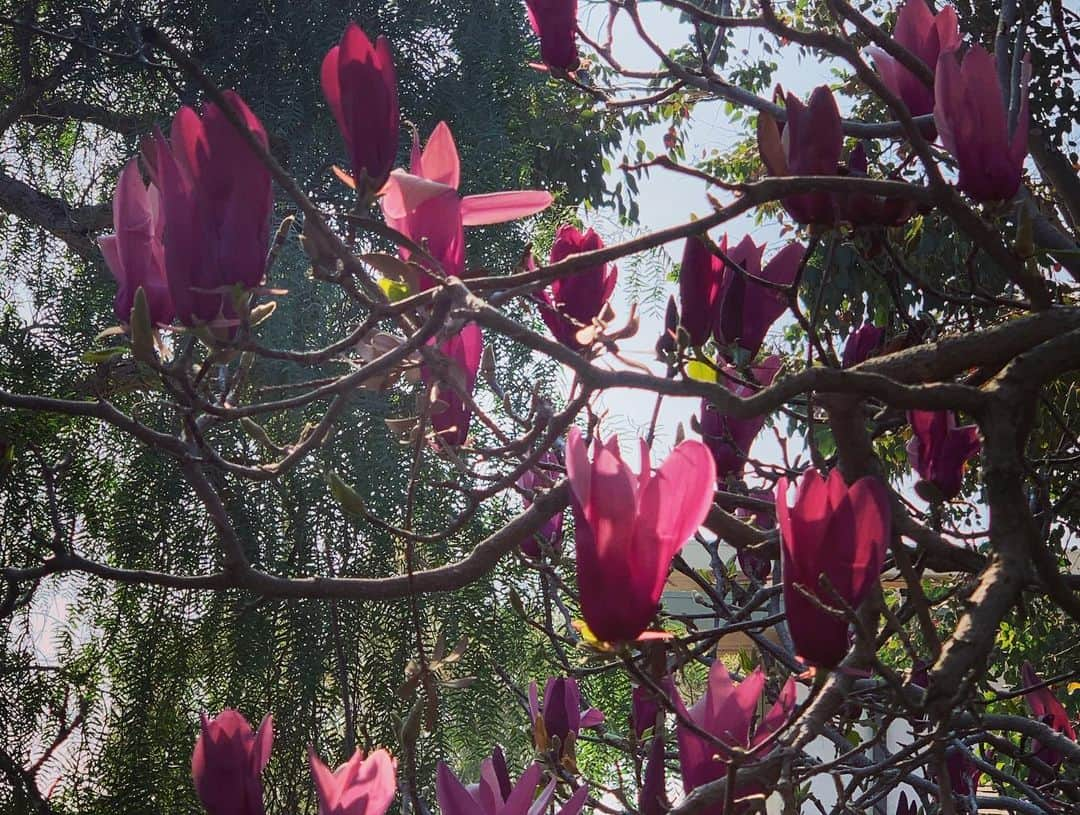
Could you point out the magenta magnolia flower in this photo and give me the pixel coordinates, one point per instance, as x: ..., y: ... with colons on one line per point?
x: 135, y: 253
x: 727, y: 712
x: 555, y: 23
x: 576, y: 300
x: 360, y: 85
x: 904, y: 806
x: 728, y: 438
x: 927, y: 36
x: 974, y: 125
x: 838, y: 532
x: 964, y: 774
x: 551, y: 532
x: 757, y: 567
x: 861, y: 209
x: 644, y: 706
x: 495, y: 795
x: 812, y: 144
x: 228, y: 761
x: 700, y: 278
x: 863, y: 342
x: 215, y: 204
x: 939, y: 450
x: 464, y: 351
x: 424, y: 205
x: 1045, y: 707
x: 652, y: 799
x: 561, y: 714
x: 628, y: 527
x: 358, y: 787
x: 747, y: 308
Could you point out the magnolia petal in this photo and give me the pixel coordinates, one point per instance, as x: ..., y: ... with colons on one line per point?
x: 578, y: 468
x: 439, y: 160
x: 498, y: 207
x: 405, y: 192
x: 453, y: 798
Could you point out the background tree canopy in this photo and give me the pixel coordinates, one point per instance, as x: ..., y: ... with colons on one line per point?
x: 105, y: 665
x: 136, y: 663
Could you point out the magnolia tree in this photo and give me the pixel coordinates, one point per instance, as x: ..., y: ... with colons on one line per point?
x: 924, y: 497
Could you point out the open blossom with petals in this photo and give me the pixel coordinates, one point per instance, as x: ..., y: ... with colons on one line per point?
x: 927, y: 36
x: 727, y: 712
x: 1046, y: 707
x: 358, y: 787
x: 552, y: 531
x: 939, y: 450
x: 215, y: 205
x: 628, y: 527
x: 839, y: 533
x: 811, y: 144
x: 862, y: 344
x: 360, y: 85
x: 425, y: 206
x: 134, y: 252
x: 747, y: 309
x: 573, y: 302
x: 700, y: 276
x: 728, y: 438
x: 496, y: 795
x: 561, y: 716
x: 555, y: 23
x: 973, y: 122
x: 450, y: 417
x: 228, y: 761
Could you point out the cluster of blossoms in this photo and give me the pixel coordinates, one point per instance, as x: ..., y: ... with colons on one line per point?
x: 194, y: 241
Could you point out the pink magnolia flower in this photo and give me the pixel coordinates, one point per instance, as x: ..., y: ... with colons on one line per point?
x: 863, y: 343
x: 728, y: 438
x: 811, y: 144
x: 360, y: 85
x: 748, y: 309
x: 358, y: 787
x: 134, y: 252
x: 974, y: 124
x: 644, y: 706
x: 228, y: 761
x: 832, y: 531
x: 551, y: 532
x: 628, y: 527
x: 464, y: 351
x: 495, y: 795
x: 561, y: 713
x: 700, y: 278
x: 1046, y: 707
x: 939, y: 450
x: 964, y: 774
x: 927, y: 36
x: 862, y: 209
x: 215, y: 205
x: 652, y: 799
x: 424, y: 205
x: 755, y: 566
x: 555, y: 23
x: 576, y: 300
x: 727, y: 712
